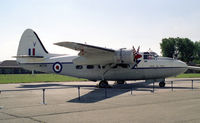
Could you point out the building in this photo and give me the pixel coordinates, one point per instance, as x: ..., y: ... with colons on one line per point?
x: 11, y: 67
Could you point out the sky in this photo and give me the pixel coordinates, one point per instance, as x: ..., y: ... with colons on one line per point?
x: 107, y: 23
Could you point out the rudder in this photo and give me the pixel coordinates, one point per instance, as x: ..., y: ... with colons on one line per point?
x: 30, y: 45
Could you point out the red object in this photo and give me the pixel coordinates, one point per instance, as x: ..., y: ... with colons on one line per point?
x: 33, y: 51
x: 138, y: 56
x: 136, y: 53
x: 57, y: 67
x: 82, y: 52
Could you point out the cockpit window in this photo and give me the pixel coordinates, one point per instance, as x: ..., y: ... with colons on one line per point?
x: 90, y: 66
x: 150, y: 55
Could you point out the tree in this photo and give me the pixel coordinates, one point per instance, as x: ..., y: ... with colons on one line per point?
x: 168, y: 47
x: 197, y: 49
x: 186, y: 49
x: 197, y: 52
x: 183, y: 47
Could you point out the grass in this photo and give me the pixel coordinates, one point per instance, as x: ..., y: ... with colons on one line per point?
x: 28, y: 78
x: 189, y: 75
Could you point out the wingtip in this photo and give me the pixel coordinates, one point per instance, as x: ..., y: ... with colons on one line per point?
x: 59, y: 43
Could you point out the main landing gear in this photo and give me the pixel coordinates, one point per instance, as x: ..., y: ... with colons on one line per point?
x: 103, y: 84
x: 120, y: 82
x: 162, y: 84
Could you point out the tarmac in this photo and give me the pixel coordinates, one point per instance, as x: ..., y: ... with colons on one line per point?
x: 134, y: 102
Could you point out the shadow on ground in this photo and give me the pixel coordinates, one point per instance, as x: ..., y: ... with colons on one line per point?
x: 98, y: 94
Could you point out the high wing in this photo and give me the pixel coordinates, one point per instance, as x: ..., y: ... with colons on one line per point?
x: 85, y: 49
x: 194, y: 68
x: 90, y: 54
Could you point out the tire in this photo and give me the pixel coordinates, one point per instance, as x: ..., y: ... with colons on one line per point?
x: 162, y: 84
x: 103, y: 84
x: 120, y: 82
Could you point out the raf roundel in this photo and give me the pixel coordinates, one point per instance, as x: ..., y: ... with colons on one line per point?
x: 57, y: 67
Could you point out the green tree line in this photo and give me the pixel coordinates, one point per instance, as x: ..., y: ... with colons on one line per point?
x: 181, y: 48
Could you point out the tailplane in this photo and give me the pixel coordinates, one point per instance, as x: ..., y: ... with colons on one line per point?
x: 30, y: 47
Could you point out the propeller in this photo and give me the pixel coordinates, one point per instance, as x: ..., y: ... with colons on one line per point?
x: 136, y: 53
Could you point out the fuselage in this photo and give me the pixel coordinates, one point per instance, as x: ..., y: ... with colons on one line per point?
x: 147, y: 67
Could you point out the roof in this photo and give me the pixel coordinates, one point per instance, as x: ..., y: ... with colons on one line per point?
x: 10, y: 64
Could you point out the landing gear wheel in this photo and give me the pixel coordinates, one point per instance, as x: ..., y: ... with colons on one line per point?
x: 120, y: 82
x: 103, y: 84
x: 162, y: 84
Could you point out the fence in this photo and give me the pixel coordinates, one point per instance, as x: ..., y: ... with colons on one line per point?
x: 106, y: 92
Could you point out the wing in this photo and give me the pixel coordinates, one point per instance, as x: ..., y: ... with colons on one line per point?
x: 90, y: 54
x: 194, y: 68
x: 85, y: 49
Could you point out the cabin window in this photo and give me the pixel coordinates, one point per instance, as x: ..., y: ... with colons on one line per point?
x: 90, y: 66
x: 79, y: 67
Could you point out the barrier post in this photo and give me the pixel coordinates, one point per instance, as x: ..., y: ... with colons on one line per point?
x: 172, y: 85
x: 153, y: 86
x: 131, y: 90
x: 43, y: 96
x: 79, y: 95
x: 192, y: 84
x: 1, y: 107
x: 105, y: 92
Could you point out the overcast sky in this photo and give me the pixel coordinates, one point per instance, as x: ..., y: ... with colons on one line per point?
x: 108, y: 23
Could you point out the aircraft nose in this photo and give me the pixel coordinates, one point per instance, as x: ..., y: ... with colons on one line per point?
x: 182, y: 65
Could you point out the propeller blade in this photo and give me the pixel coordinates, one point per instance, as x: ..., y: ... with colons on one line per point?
x: 136, y: 53
x: 138, y: 49
x: 138, y: 56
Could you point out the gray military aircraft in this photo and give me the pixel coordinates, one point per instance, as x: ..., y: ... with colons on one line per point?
x: 97, y: 63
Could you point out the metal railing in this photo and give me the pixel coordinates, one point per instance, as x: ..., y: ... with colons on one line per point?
x: 106, y: 95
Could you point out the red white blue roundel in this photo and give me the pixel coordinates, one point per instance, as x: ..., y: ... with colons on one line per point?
x: 57, y: 67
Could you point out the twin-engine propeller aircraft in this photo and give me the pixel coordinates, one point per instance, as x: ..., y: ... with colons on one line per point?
x: 97, y: 63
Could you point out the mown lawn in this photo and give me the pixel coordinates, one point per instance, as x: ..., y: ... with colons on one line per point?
x: 189, y: 75
x: 26, y: 78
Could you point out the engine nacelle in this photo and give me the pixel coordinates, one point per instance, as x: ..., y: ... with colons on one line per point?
x: 124, y: 57
x: 121, y: 56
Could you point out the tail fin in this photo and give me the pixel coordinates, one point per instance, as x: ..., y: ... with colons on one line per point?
x: 30, y: 45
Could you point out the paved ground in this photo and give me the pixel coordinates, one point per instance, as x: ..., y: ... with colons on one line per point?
x: 23, y: 103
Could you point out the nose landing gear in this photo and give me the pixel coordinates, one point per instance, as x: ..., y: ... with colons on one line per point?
x: 162, y: 84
